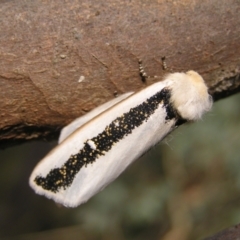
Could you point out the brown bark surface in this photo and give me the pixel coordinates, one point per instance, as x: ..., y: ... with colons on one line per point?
x: 46, y: 46
x: 232, y: 233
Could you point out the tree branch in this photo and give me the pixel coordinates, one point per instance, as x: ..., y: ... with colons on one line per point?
x: 60, y: 59
x: 227, y: 234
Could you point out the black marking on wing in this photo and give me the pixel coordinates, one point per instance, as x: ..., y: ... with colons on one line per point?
x: 119, y: 128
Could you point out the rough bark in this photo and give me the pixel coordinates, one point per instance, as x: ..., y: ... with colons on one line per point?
x: 232, y: 233
x: 46, y: 46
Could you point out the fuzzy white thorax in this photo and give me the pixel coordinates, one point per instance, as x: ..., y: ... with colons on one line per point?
x: 190, y: 95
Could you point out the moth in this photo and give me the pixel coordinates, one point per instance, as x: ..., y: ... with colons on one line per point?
x: 96, y: 148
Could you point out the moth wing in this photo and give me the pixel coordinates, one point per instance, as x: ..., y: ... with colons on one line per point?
x: 71, y: 127
x: 96, y: 174
x: 111, y: 139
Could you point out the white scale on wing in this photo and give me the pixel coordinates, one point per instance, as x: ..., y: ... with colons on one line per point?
x: 95, y: 149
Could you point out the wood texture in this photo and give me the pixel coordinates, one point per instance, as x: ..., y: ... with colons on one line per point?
x: 46, y: 46
x: 232, y: 233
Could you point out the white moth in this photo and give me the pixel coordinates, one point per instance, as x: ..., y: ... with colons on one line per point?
x: 96, y: 148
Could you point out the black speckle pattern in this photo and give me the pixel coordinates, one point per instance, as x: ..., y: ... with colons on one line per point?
x: 99, y: 145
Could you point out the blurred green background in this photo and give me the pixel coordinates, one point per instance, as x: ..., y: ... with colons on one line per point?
x: 186, y: 188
